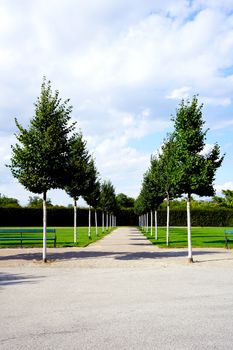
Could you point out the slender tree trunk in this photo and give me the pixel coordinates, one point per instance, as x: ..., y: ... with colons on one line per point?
x: 44, y: 226
x: 151, y: 223
x: 147, y: 222
x: 190, y: 257
x: 107, y: 221
x: 96, y: 224
x: 102, y: 222
x: 75, y: 221
x: 89, y: 223
x: 156, y: 225
x: 168, y: 217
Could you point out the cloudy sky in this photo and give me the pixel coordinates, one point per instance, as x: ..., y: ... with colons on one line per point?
x: 125, y: 65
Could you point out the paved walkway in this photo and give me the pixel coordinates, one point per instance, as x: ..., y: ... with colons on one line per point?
x: 124, y: 247
x: 119, y: 293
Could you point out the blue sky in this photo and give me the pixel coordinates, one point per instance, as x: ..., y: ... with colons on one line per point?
x: 125, y: 65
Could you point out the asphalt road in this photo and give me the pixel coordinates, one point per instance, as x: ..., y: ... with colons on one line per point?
x: 164, y: 306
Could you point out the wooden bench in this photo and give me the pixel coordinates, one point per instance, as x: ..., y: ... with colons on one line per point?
x: 13, y: 235
x: 228, y: 236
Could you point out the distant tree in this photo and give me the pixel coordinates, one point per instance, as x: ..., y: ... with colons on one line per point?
x: 226, y: 201
x: 154, y: 189
x: 39, y: 159
x: 9, y: 202
x: 37, y: 202
x: 107, y: 201
x: 167, y: 172
x: 123, y: 201
x: 76, y: 169
x: 195, y: 172
x: 92, y: 192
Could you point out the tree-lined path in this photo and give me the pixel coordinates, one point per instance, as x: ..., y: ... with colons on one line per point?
x: 124, y: 247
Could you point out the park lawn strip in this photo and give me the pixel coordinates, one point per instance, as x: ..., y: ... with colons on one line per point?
x: 202, y: 237
x: 65, y: 237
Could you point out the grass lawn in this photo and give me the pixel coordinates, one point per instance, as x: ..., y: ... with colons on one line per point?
x: 201, y: 237
x: 65, y: 237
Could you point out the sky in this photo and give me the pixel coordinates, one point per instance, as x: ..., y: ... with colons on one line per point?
x: 125, y: 65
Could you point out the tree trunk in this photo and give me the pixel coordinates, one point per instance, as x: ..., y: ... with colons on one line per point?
x: 75, y: 221
x: 151, y: 223
x: 147, y: 222
x: 107, y: 221
x: 89, y: 223
x: 156, y: 225
x: 96, y: 225
x: 168, y: 217
x: 102, y: 222
x: 190, y: 257
x: 44, y: 226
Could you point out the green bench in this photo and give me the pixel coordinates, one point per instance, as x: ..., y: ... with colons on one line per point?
x: 13, y: 235
x: 228, y: 236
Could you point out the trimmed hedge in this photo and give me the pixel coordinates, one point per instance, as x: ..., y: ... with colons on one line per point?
x: 199, y: 217
x: 64, y: 217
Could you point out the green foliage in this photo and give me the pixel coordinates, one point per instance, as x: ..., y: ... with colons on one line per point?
x: 123, y: 201
x: 8, y: 202
x: 37, y: 202
x: 77, y: 167
x: 167, y: 169
x: 227, y: 201
x: 195, y: 171
x: 107, y: 201
x: 39, y: 159
x: 92, y: 185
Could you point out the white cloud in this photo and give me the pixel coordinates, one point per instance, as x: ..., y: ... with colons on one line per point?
x: 124, y: 64
x: 181, y: 93
x: 225, y: 186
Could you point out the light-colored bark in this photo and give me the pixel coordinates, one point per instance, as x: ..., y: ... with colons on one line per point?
x: 107, y: 221
x: 156, y: 225
x: 168, y: 219
x: 89, y: 223
x: 44, y: 226
x: 75, y: 221
x: 102, y: 221
x: 147, y: 222
x: 190, y: 257
x: 96, y: 224
x: 151, y: 223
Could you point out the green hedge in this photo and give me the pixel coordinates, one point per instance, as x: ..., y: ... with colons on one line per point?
x: 199, y: 217
x: 64, y: 217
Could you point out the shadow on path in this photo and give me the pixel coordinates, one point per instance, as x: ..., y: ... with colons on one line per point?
x: 94, y: 255
x: 12, y: 279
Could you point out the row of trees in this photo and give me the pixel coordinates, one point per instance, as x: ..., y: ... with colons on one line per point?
x: 51, y: 154
x: 180, y: 168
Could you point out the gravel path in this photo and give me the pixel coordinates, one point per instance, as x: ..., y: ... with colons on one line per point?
x: 119, y: 293
x: 124, y: 247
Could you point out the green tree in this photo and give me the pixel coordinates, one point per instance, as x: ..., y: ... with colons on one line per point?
x: 195, y: 171
x: 107, y: 202
x: 154, y: 189
x: 226, y: 201
x: 37, y: 202
x: 76, y: 169
x: 92, y: 192
x: 123, y: 201
x: 40, y: 156
x: 167, y: 174
x: 8, y: 202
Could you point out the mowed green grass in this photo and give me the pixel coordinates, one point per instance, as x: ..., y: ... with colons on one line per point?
x: 201, y: 237
x: 65, y: 237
